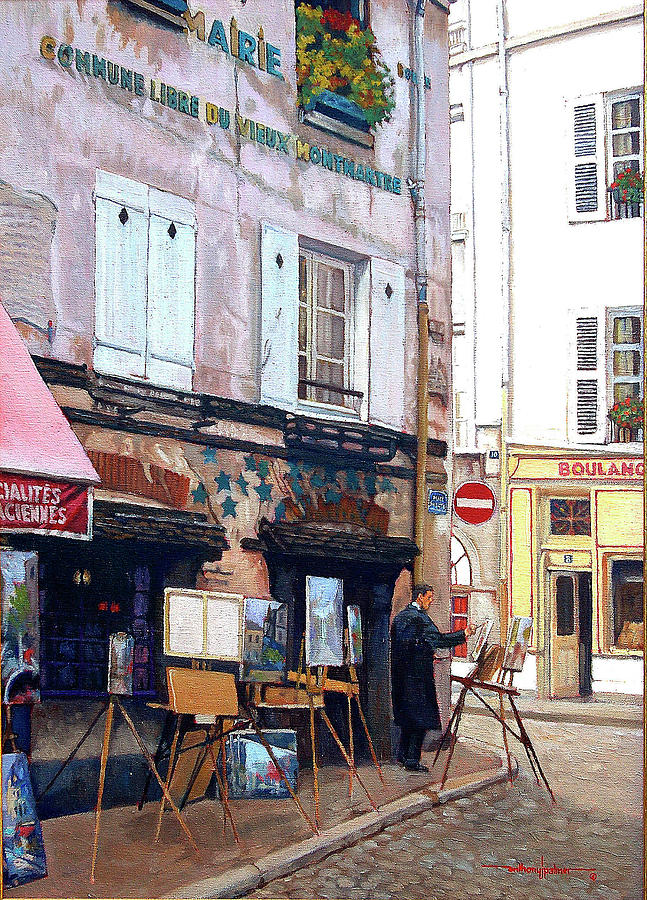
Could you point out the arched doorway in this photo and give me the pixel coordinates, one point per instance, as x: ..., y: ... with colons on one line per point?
x: 461, y: 580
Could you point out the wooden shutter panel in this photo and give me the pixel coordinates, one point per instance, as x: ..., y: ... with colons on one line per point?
x: 120, y: 288
x: 588, y: 413
x: 587, y: 174
x: 387, y: 337
x: 171, y: 298
x: 279, y: 312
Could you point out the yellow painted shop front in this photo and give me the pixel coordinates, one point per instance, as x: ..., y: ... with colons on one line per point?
x: 576, y: 566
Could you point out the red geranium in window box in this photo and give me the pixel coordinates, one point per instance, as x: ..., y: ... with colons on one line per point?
x: 629, y: 187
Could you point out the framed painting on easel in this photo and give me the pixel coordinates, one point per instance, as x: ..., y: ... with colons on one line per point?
x: 203, y: 624
x: 265, y: 634
x: 324, y: 621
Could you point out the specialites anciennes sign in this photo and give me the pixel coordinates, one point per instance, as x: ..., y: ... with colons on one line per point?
x: 195, y: 107
x: 41, y: 505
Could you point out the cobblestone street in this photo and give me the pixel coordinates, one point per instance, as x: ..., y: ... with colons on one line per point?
x: 595, y: 773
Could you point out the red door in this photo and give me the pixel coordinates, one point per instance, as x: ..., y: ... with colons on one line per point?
x: 459, y: 620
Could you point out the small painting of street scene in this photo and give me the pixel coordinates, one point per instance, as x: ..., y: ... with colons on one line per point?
x: 517, y: 644
x: 324, y: 621
x: 481, y: 635
x: 265, y: 634
x: 251, y: 771
x: 23, y: 852
x: 355, y: 655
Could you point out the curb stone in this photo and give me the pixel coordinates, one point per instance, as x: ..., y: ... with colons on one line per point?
x: 242, y: 880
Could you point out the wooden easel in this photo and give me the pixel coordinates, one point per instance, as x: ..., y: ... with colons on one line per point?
x: 115, y: 701
x: 192, y: 692
x: 195, y: 692
x: 316, y: 686
x: 490, y: 667
x: 350, y: 689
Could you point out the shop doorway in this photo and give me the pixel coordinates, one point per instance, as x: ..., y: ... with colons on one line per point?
x: 571, y: 634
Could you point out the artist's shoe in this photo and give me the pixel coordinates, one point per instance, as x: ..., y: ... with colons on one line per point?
x: 416, y: 767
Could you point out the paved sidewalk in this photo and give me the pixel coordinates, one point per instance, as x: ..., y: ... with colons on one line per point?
x: 599, y: 709
x: 463, y: 849
x: 274, y: 838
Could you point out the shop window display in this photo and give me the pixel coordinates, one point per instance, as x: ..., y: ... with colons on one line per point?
x: 628, y: 614
x: 81, y: 605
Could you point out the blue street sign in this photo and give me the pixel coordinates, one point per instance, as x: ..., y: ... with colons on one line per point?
x: 437, y: 502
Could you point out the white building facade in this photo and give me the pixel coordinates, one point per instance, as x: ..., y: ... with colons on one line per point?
x: 546, y: 116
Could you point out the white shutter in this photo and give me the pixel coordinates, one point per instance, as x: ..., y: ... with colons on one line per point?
x: 587, y: 168
x: 587, y: 412
x: 387, y: 337
x: 171, y: 296
x: 361, y: 331
x: 120, y: 288
x: 279, y: 315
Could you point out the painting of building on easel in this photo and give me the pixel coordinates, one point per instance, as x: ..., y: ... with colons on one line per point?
x: 324, y: 621
x: 355, y: 651
x: 519, y: 635
x: 265, y: 635
x: 20, y: 626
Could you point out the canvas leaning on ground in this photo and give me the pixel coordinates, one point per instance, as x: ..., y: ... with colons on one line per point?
x: 322, y: 382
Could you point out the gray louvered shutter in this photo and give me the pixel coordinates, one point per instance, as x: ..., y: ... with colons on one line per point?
x: 587, y: 176
x: 587, y: 415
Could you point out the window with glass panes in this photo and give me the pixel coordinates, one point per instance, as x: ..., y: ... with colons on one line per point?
x: 625, y: 134
x: 325, y: 331
x: 570, y: 516
x: 358, y: 9
x: 626, y: 354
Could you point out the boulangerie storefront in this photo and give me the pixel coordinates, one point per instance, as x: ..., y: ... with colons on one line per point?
x: 576, y: 566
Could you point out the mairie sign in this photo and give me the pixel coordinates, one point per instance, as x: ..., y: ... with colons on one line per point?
x: 91, y: 65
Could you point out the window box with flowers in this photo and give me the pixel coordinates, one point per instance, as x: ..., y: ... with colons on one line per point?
x: 344, y: 86
x: 627, y: 193
x: 628, y: 417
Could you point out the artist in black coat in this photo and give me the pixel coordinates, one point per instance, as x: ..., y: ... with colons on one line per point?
x: 414, y: 638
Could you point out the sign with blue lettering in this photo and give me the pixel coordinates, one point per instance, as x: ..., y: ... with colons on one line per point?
x: 437, y: 502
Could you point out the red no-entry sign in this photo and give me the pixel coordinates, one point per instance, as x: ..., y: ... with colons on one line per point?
x: 474, y: 502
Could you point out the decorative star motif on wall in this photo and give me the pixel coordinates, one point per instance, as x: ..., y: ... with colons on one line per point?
x: 209, y: 454
x: 352, y: 481
x: 295, y: 469
x: 279, y: 512
x: 229, y: 508
x: 250, y: 463
x: 242, y: 484
x: 222, y: 480
x: 264, y: 491
x: 369, y: 484
x: 199, y: 494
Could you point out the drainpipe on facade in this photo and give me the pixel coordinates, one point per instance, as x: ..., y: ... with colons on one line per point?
x: 506, y: 297
x: 417, y: 188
